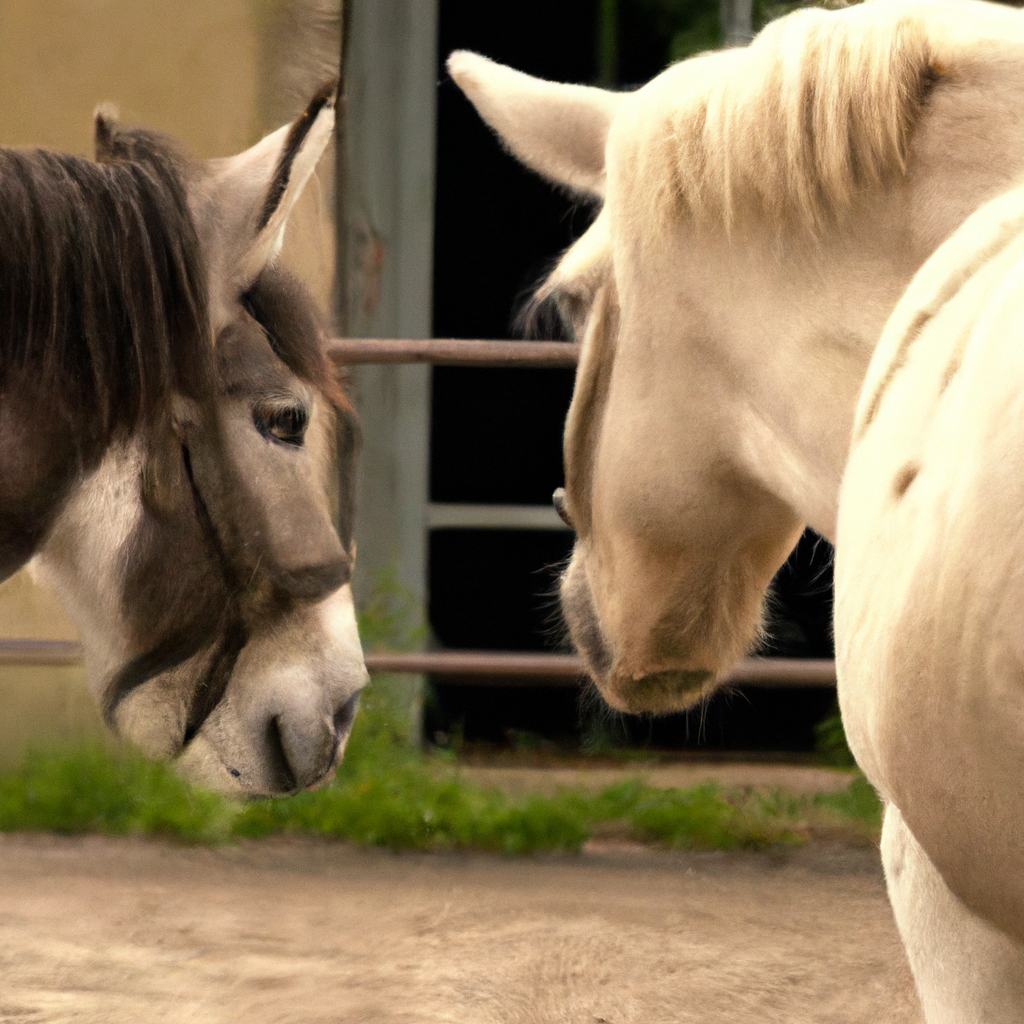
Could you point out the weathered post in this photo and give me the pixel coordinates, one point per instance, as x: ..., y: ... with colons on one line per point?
x: 385, y: 265
x: 737, y: 21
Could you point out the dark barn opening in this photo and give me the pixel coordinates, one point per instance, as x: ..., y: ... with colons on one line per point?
x: 496, y: 433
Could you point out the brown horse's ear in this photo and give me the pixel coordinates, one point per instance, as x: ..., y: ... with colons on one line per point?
x: 105, y: 133
x: 559, y: 131
x: 242, y: 204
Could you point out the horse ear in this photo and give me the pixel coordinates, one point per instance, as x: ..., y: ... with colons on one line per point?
x: 104, y: 132
x: 244, y: 202
x: 559, y: 131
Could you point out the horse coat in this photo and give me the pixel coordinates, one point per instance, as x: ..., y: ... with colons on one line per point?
x: 930, y: 568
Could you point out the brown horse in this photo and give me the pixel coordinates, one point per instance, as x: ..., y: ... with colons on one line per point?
x: 169, y: 447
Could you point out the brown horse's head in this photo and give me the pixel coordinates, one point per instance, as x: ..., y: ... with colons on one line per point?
x: 207, y: 560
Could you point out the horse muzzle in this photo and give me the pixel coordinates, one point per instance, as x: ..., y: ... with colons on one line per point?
x: 272, y: 719
x: 658, y: 692
x: 287, y: 752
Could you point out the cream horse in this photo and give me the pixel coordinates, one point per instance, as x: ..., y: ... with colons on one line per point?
x: 929, y: 606
x: 763, y: 209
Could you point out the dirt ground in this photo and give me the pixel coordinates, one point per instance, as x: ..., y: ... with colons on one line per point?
x: 276, y: 932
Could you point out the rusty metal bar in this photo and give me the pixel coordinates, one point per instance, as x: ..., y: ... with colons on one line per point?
x: 567, y: 668
x: 453, y: 352
x: 483, y: 668
x: 40, y: 652
x: 502, y: 668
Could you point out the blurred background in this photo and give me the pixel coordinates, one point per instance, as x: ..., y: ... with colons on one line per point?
x: 437, y: 233
x: 496, y: 433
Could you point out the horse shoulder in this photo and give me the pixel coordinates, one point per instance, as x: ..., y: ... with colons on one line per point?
x: 928, y: 596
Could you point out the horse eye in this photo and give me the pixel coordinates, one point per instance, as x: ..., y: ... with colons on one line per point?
x: 288, y: 426
x: 558, y: 500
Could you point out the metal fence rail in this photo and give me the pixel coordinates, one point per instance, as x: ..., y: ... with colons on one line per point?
x: 496, y: 668
x: 453, y: 352
x: 501, y: 668
x: 40, y: 652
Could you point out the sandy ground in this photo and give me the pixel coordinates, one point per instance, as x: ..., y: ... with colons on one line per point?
x: 111, y: 931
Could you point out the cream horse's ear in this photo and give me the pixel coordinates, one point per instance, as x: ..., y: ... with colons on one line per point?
x: 242, y: 203
x: 559, y: 131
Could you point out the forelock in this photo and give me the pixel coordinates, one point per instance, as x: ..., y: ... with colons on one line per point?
x: 296, y: 331
x: 819, y: 109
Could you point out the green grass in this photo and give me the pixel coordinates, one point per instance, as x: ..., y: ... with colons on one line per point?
x: 389, y: 795
x: 95, y: 790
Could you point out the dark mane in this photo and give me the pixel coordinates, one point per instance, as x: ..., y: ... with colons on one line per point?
x: 102, y: 289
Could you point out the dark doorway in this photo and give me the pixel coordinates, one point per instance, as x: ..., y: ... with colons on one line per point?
x: 496, y: 434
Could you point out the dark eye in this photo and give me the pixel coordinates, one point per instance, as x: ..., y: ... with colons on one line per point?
x: 558, y: 500
x: 288, y: 426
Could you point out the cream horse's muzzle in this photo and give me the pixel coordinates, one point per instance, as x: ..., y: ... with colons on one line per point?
x: 658, y: 693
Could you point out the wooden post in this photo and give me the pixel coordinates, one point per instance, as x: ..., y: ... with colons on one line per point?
x: 737, y: 21
x: 386, y: 223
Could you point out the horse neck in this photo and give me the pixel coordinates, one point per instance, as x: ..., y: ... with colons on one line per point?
x: 802, y: 316
x: 787, y: 328
x: 84, y: 553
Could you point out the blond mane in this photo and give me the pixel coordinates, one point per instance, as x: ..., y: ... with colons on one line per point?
x: 819, y: 108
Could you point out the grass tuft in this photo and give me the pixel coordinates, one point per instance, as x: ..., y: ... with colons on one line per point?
x: 95, y: 790
x: 388, y: 795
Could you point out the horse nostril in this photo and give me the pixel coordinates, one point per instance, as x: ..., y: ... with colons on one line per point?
x: 281, y: 768
x: 344, y: 716
x: 299, y: 754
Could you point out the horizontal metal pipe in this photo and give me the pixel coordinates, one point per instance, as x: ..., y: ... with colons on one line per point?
x: 484, y: 668
x: 489, y: 668
x: 567, y: 668
x: 451, y: 516
x: 453, y: 352
x: 40, y: 652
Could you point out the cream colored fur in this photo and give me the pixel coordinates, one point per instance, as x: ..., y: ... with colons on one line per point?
x: 568, y: 123
x: 930, y: 603
x: 742, y: 343
x: 764, y: 209
x: 967, y: 970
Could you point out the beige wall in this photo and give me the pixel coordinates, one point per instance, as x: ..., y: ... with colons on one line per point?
x: 187, y: 67
x: 44, y: 707
x: 217, y: 74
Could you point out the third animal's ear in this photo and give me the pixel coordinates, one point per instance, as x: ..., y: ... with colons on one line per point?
x: 242, y: 202
x: 558, y: 130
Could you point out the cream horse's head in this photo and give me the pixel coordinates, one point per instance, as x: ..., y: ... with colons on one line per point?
x: 761, y: 211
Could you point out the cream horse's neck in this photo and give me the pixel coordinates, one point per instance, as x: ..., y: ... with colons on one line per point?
x: 802, y: 318
x: 802, y: 339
